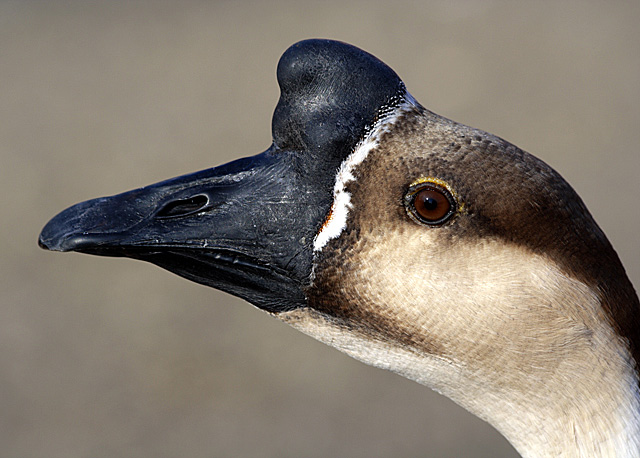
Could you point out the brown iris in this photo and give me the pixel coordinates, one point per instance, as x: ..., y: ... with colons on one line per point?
x: 430, y: 204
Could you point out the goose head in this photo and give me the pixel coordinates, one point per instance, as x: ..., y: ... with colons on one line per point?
x: 412, y: 243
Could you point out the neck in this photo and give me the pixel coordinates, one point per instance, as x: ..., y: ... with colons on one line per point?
x: 585, y: 403
x: 522, y: 345
x: 578, y: 397
x: 588, y: 410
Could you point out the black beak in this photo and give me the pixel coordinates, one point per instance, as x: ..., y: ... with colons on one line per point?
x: 245, y: 227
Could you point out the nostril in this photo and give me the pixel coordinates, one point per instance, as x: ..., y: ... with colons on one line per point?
x: 183, y: 207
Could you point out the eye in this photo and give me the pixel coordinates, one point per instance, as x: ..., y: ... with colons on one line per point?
x: 430, y: 204
x: 183, y: 207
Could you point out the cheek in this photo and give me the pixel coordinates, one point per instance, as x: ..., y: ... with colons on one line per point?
x: 424, y: 288
x: 475, y: 303
x: 387, y: 283
x: 405, y: 284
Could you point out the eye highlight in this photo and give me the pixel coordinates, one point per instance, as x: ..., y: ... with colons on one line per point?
x: 430, y: 201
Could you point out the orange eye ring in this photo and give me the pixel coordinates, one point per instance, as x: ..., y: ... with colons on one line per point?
x: 430, y: 204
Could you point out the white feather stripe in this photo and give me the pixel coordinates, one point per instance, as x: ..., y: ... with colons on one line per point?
x: 336, y: 221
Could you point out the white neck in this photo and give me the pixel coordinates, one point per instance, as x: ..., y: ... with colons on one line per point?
x: 596, y: 413
x: 543, y: 365
x: 598, y: 419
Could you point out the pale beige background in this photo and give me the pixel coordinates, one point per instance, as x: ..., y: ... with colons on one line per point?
x: 116, y: 358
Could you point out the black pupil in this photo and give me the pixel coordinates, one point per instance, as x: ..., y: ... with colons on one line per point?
x: 430, y: 203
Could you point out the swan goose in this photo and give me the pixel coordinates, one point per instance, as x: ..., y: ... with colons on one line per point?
x: 410, y: 242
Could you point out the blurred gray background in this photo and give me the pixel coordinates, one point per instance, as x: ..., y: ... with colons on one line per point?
x: 116, y: 358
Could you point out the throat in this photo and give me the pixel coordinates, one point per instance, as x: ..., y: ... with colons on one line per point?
x: 503, y: 332
x: 596, y: 414
x: 587, y: 407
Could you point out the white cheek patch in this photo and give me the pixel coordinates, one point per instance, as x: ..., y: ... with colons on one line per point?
x: 336, y: 221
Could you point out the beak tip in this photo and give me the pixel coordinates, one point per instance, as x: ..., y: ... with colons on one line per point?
x: 50, y: 237
x: 42, y: 243
x: 55, y: 240
x: 62, y: 234
x: 70, y: 229
x: 64, y: 241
